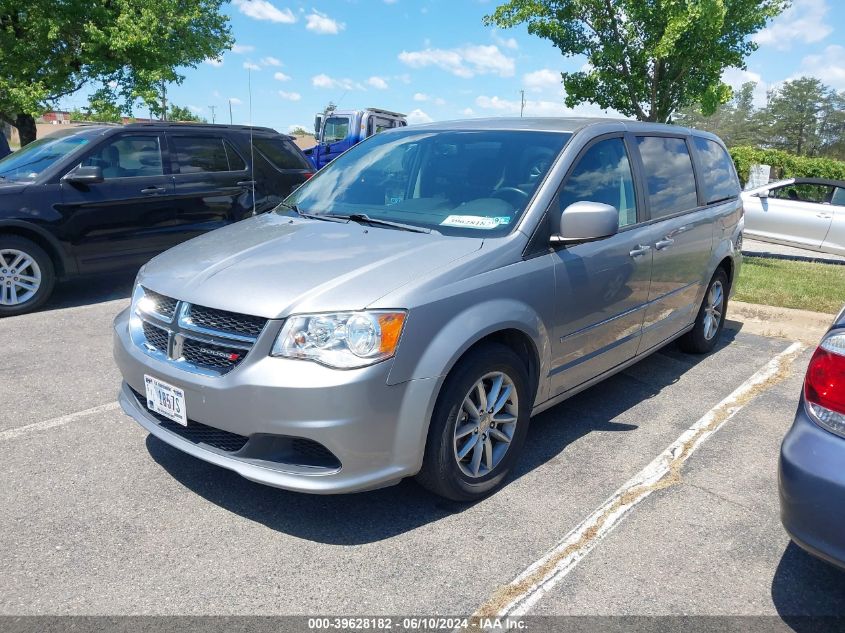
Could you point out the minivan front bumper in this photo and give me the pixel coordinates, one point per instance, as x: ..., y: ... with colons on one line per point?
x: 375, y: 431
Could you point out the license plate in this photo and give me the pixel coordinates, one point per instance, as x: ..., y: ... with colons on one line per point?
x: 166, y: 400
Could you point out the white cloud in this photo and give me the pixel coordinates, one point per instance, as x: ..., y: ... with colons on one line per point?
x: 829, y: 66
x: 280, y: 76
x: 216, y: 62
x: 509, y: 42
x: 439, y: 101
x: 804, y: 21
x: 271, y: 61
x: 378, y: 83
x: 291, y: 128
x: 542, y: 79
x: 322, y: 24
x: 421, y: 96
x: 418, y: 116
x: 290, y: 96
x: 466, y: 61
x: 235, y: 101
x: 735, y: 77
x: 264, y: 10
x: 467, y: 111
x: 538, y: 108
x: 242, y: 49
x: 251, y: 66
x: 324, y: 81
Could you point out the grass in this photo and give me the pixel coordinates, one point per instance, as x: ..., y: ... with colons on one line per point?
x: 792, y: 284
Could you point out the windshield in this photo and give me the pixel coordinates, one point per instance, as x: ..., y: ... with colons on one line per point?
x: 456, y: 182
x: 336, y: 129
x: 29, y: 161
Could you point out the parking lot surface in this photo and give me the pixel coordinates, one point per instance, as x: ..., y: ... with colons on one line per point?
x: 100, y: 518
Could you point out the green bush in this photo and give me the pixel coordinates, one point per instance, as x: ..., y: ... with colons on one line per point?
x: 785, y: 165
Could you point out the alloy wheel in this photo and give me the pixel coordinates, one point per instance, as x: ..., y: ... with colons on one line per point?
x: 714, y: 309
x: 486, y: 424
x: 20, y: 277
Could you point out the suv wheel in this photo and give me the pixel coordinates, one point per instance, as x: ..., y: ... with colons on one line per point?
x: 704, y: 335
x: 26, y: 276
x: 479, y: 425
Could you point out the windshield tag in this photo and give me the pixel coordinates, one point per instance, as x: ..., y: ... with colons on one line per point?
x: 476, y: 221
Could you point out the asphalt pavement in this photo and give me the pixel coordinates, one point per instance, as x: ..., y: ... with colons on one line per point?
x: 98, y: 518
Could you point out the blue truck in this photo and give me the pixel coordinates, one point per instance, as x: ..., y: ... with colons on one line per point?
x: 338, y: 130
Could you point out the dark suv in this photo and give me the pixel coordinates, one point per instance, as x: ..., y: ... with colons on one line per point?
x: 105, y: 199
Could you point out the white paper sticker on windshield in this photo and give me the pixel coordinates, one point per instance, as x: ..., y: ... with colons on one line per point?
x: 475, y: 221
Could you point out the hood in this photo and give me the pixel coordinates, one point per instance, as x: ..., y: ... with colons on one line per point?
x: 274, y: 265
x: 11, y: 188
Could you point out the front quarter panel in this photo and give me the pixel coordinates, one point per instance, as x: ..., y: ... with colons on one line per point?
x: 456, y: 315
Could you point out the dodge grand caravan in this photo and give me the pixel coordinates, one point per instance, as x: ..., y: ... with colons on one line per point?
x: 407, y: 310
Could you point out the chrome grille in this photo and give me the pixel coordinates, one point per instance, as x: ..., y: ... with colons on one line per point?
x: 164, y: 306
x: 223, y: 321
x: 196, y: 338
x: 156, y: 337
x: 210, y: 355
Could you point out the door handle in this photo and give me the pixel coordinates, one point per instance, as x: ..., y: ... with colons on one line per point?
x: 666, y: 242
x: 824, y: 216
x: 246, y: 183
x: 150, y: 190
x: 640, y: 250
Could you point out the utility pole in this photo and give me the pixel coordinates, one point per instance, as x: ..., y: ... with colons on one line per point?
x: 522, y: 103
x: 212, y: 108
x: 230, y: 112
x: 163, y: 101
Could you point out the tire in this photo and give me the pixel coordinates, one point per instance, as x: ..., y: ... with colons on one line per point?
x: 23, y: 289
x: 443, y: 471
x: 702, y: 338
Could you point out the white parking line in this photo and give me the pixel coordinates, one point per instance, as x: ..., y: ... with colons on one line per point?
x: 516, y: 598
x: 11, y: 434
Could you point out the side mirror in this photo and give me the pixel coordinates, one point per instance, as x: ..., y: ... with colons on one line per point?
x: 85, y: 175
x: 587, y: 222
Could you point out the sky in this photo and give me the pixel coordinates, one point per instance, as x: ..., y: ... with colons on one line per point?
x: 435, y: 60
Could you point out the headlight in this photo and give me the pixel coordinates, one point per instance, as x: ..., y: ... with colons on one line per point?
x: 345, y: 340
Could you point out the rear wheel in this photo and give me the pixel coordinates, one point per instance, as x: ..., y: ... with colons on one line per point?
x: 704, y: 335
x: 479, y: 425
x: 27, y: 276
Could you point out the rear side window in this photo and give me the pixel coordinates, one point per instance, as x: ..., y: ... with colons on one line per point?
x: 281, y: 153
x: 603, y: 174
x: 199, y: 154
x: 718, y: 174
x: 669, y: 176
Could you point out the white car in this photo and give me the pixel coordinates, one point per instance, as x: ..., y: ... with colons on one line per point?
x: 804, y: 212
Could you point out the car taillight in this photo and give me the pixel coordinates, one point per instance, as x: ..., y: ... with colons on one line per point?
x: 824, y: 385
x: 308, y: 175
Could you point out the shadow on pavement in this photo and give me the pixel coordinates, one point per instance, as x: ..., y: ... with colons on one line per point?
x: 87, y: 291
x: 380, y: 514
x: 805, y: 588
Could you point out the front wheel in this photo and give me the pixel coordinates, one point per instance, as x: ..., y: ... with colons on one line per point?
x: 704, y: 335
x: 26, y: 275
x: 479, y: 425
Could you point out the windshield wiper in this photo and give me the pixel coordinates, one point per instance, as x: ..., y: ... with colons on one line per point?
x: 363, y: 218
x: 310, y: 216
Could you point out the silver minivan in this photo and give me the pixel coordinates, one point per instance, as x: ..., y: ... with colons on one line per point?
x: 407, y: 310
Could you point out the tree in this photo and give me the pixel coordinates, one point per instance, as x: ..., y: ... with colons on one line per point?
x: 646, y: 58
x: 737, y: 122
x: 130, y: 48
x: 795, y: 114
x: 178, y: 113
x: 300, y: 131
